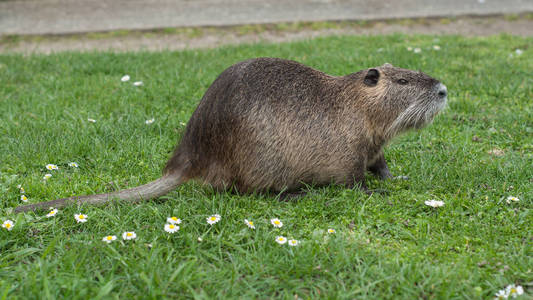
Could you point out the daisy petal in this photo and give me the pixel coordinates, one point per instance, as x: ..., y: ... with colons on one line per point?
x: 434, y: 203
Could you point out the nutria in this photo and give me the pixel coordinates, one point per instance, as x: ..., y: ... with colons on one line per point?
x: 274, y: 125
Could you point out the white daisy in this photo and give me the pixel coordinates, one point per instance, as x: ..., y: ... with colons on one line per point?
x: 417, y: 50
x: 80, y: 218
x: 434, y: 203
x: 91, y: 120
x: 331, y: 231
x: 21, y: 189
x: 148, y: 122
x: 129, y: 235
x: 108, y: 239
x: 52, y: 167
x: 519, y: 52
x: 249, y: 224
x: 294, y: 243
x: 200, y: 239
x: 213, y: 219
x: 501, y: 294
x: 47, y: 176
x: 514, y: 290
x: 183, y: 123
x: 171, y: 228
x: 23, y: 198
x: 512, y: 199
x: 281, y: 240
x: 276, y: 222
x: 52, y: 213
x: 173, y: 220
x: 436, y: 47
x: 73, y: 164
x: 8, y: 224
x: 138, y: 83
x: 409, y: 48
x: 125, y: 78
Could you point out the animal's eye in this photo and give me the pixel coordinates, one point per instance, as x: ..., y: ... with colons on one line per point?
x: 402, y: 81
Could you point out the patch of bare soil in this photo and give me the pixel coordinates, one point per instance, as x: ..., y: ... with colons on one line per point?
x: 177, y: 39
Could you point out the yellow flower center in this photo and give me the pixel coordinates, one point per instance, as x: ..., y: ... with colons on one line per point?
x: 213, y: 218
x: 513, y: 290
x: 109, y: 238
x: 251, y: 223
x: 81, y: 217
x: 174, y: 219
x: 276, y: 222
x: 129, y: 234
x: 8, y: 225
x: 171, y: 226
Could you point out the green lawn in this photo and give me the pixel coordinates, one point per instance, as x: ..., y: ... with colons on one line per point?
x: 385, y: 246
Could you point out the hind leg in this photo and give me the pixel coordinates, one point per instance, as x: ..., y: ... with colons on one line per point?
x: 356, y: 178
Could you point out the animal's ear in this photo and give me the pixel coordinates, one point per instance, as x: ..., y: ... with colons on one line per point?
x: 371, y: 77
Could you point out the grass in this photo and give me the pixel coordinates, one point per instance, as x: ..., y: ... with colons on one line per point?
x: 386, y: 246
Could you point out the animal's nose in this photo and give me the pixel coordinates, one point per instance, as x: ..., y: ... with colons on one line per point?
x: 442, y: 91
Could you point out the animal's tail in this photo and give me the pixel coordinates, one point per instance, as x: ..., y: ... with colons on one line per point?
x: 147, y: 191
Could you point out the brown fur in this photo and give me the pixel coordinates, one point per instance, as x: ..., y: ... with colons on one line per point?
x: 274, y: 125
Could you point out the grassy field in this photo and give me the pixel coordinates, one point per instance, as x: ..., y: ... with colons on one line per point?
x: 477, y: 153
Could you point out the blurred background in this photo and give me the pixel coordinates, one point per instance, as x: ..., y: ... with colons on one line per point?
x: 178, y: 24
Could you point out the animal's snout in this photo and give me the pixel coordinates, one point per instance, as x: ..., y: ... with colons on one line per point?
x: 442, y: 91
